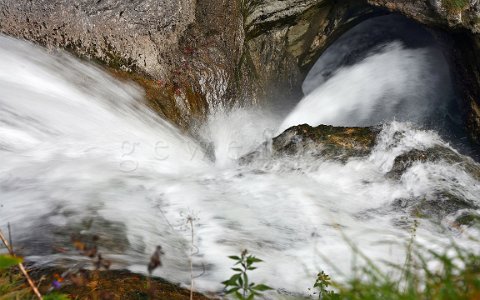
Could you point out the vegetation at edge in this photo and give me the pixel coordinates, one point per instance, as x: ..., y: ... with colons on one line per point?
x: 455, y: 6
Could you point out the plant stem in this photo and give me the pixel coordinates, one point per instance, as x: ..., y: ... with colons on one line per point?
x: 10, y: 278
x: 22, y: 268
x: 191, y: 262
x: 244, y: 266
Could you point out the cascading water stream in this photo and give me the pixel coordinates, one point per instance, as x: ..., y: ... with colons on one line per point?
x: 393, y: 82
x: 81, y: 154
x: 383, y: 69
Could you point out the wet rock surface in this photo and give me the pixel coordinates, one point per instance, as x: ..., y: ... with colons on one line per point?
x: 51, y: 238
x: 445, y: 202
x: 435, y: 154
x: 468, y: 218
x: 436, y: 207
x: 112, y: 284
x: 324, y: 141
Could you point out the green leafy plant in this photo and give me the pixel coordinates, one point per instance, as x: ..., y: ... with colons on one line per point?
x: 322, y: 283
x: 239, y: 285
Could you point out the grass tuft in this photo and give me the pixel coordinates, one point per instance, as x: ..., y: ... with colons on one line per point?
x: 455, y: 277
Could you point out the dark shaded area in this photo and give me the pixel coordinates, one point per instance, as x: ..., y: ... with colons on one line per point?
x: 366, y: 38
x: 453, y: 121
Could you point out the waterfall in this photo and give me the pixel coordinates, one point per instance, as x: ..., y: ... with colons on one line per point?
x: 82, y: 154
x: 392, y: 83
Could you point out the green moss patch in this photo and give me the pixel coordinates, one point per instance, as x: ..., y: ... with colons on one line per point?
x: 455, y: 6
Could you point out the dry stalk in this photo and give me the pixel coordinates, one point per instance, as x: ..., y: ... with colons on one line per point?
x: 21, y: 267
x: 190, y: 220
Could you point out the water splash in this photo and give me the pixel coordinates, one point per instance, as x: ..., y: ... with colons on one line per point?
x: 236, y: 132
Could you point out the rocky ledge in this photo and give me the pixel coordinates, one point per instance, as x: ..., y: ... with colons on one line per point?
x: 343, y: 143
x: 323, y: 141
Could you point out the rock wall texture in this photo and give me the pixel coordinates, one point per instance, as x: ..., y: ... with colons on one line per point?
x: 187, y: 48
x: 196, y: 55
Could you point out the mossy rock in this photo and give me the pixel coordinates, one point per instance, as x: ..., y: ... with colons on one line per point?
x: 328, y: 142
x: 438, y: 206
x: 434, y: 154
x: 468, y: 218
x: 455, y: 6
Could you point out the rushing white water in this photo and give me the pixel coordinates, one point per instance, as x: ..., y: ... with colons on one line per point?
x: 386, y: 68
x: 82, y: 154
x: 236, y: 132
x: 391, y: 83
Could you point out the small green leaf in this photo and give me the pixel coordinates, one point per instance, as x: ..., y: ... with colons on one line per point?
x: 238, y: 295
x: 232, y: 290
x: 254, y: 259
x: 262, y: 287
x: 232, y: 281
x: 234, y: 257
x: 7, y: 261
x: 237, y: 269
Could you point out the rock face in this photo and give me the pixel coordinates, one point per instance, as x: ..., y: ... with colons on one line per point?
x: 209, y: 53
x: 185, y: 47
x: 133, y: 35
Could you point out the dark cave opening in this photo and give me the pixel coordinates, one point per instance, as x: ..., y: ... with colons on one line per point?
x: 446, y: 75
